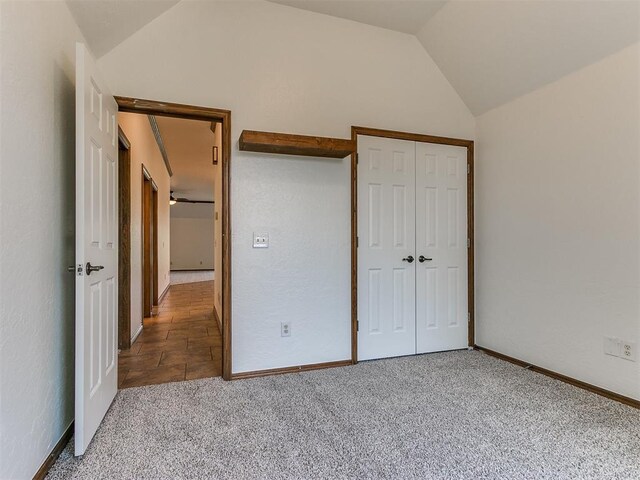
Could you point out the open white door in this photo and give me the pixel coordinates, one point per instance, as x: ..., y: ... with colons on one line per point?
x: 96, y: 250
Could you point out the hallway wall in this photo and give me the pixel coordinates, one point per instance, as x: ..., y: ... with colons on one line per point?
x: 144, y: 150
x: 192, y: 243
x: 217, y: 224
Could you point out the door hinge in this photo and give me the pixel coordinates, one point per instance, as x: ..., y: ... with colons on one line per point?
x: 357, y: 159
x: 468, y: 317
x: 357, y: 326
x: 468, y: 168
x: 357, y: 242
x: 468, y: 243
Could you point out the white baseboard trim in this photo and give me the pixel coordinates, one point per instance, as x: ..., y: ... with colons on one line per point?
x: 135, y: 335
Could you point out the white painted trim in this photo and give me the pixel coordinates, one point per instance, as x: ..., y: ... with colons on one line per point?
x: 135, y: 335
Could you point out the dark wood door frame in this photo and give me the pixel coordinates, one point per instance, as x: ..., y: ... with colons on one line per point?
x: 415, y: 137
x: 147, y: 230
x: 152, y: 107
x: 155, y: 296
x: 124, y: 241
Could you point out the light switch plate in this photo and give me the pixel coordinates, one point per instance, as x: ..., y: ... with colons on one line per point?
x: 260, y: 240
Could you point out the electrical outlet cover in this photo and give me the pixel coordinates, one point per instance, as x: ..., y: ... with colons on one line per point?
x: 629, y: 351
x: 260, y: 240
x: 285, y: 329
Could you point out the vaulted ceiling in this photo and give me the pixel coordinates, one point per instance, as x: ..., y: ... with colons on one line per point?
x: 495, y: 51
x: 491, y: 51
x: 407, y: 16
x: 107, y: 23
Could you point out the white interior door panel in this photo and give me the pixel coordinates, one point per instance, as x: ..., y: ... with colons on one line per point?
x: 386, y: 232
x: 412, y: 204
x: 441, y: 247
x: 96, y: 246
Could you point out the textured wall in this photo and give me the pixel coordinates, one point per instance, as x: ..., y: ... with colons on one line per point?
x: 37, y: 223
x: 283, y: 69
x: 145, y: 151
x: 558, y: 223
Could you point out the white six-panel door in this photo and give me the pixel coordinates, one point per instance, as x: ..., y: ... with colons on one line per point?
x: 412, y: 203
x: 441, y: 239
x: 386, y: 233
x: 97, y: 244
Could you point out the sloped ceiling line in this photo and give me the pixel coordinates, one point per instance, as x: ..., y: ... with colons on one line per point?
x: 107, y: 23
x: 490, y: 51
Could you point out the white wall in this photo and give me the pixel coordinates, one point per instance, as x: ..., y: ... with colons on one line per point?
x: 558, y: 223
x: 37, y: 225
x: 192, y: 238
x: 284, y: 69
x: 145, y: 151
x: 217, y: 228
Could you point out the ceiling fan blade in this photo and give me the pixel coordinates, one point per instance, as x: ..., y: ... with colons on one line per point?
x: 186, y: 200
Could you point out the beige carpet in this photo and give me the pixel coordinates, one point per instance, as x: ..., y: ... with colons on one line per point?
x: 456, y: 415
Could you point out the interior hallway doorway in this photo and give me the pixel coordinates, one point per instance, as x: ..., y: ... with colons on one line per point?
x: 176, y: 164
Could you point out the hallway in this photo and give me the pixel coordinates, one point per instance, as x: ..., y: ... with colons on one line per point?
x: 181, y: 342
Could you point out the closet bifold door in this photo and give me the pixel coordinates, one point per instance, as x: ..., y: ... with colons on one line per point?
x: 386, y: 251
x: 441, y: 247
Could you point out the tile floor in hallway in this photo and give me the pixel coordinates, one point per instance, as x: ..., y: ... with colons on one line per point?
x: 181, y: 342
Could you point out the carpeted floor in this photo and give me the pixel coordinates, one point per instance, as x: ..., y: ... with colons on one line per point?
x: 450, y: 415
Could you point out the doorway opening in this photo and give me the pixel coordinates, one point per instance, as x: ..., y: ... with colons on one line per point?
x: 174, y: 278
x: 149, y: 231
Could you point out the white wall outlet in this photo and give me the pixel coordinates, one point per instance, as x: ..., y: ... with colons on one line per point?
x: 285, y: 329
x: 260, y: 240
x: 621, y: 348
x: 629, y: 351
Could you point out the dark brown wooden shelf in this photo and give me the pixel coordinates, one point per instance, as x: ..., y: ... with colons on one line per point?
x: 288, y: 144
